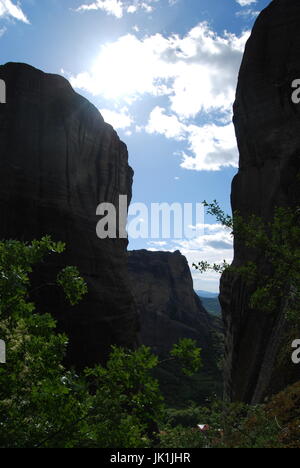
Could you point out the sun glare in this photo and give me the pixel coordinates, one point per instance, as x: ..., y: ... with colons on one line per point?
x: 116, y: 70
x: 126, y: 68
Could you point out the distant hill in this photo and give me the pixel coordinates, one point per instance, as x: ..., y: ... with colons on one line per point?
x: 208, y: 294
x: 210, y: 302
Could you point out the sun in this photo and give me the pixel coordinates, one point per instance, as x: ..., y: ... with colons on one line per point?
x: 124, y: 69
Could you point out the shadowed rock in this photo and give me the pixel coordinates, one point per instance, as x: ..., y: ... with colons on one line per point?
x: 267, y: 126
x: 59, y: 160
x: 169, y: 307
x: 170, y: 310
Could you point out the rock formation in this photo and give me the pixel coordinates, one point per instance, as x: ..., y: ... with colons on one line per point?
x: 169, y: 310
x: 267, y: 126
x: 59, y: 160
x: 168, y: 305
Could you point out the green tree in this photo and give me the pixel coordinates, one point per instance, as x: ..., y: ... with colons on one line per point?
x: 37, y: 395
x: 274, y: 272
x: 42, y: 404
x: 227, y: 425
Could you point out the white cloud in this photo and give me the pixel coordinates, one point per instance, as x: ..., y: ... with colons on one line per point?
x: 168, y: 125
x: 158, y: 243
x: 118, y: 119
x: 214, y: 246
x: 131, y: 9
x: 215, y: 237
x: 8, y: 8
x: 117, y: 8
x: 207, y: 66
x: 249, y: 13
x: 148, y: 8
x: 211, y: 146
x: 125, y: 68
x: 111, y: 7
x: 196, y: 73
x: 245, y: 2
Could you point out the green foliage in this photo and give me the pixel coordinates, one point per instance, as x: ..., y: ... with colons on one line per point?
x: 128, y: 401
x: 275, y: 272
x: 276, y: 245
x: 215, y: 210
x: 180, y: 437
x: 120, y: 405
x: 187, y: 417
x: 73, y: 285
x: 212, y: 305
x: 232, y: 425
x: 204, y: 266
x: 275, y: 424
x: 284, y: 408
x: 16, y: 263
x: 188, y: 354
x: 44, y: 405
x: 37, y: 395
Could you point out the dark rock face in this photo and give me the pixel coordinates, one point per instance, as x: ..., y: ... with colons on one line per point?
x: 169, y: 308
x: 59, y: 160
x: 268, y: 132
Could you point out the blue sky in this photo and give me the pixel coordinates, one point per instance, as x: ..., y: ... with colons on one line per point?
x: 163, y: 73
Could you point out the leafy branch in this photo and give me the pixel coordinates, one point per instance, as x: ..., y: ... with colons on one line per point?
x: 274, y: 272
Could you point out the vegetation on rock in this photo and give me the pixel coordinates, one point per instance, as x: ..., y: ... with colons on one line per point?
x: 42, y: 404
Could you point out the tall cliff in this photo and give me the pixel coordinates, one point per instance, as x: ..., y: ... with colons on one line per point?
x: 59, y: 160
x: 169, y: 310
x: 267, y: 127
